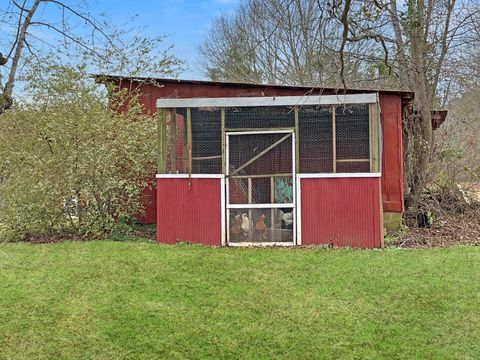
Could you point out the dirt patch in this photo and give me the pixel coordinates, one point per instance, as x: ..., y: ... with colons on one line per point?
x: 450, y: 230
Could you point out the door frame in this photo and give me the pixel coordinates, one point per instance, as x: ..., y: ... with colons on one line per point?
x: 229, y: 206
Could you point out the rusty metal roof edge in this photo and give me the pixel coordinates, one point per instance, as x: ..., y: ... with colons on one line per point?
x: 404, y: 93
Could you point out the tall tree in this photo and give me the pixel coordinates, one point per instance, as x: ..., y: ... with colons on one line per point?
x: 415, y: 45
x: 419, y: 40
x: 273, y: 41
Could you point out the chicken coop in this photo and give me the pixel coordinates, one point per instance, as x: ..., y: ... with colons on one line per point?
x: 270, y: 170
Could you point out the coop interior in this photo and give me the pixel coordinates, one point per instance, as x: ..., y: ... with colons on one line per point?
x: 261, y: 149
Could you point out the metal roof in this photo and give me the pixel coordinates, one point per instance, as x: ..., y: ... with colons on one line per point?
x: 335, y: 90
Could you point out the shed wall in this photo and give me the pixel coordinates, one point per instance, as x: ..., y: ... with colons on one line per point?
x: 391, y: 119
x: 341, y: 212
x: 190, y: 213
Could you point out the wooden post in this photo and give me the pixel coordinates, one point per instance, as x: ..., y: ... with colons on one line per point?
x: 297, y: 141
x: 272, y: 211
x: 250, y: 200
x: 334, y: 138
x: 223, y: 140
x: 189, y: 140
x: 161, y: 141
x: 173, y: 141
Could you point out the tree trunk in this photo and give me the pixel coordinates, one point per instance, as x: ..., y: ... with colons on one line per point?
x: 6, y: 96
x: 422, y: 132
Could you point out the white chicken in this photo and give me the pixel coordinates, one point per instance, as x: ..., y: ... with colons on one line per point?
x: 286, y: 220
x: 245, y: 225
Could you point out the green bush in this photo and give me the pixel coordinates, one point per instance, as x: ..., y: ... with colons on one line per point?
x: 74, y: 157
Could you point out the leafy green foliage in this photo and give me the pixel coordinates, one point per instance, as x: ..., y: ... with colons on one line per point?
x: 73, y: 139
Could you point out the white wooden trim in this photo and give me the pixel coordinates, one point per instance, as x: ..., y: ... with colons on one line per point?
x: 339, y: 175
x: 227, y: 157
x: 186, y: 176
x: 260, y: 132
x: 260, y: 206
x: 227, y: 188
x: 223, y: 210
x: 368, y: 98
x: 294, y: 184
x: 260, y: 244
x: 229, y: 207
x: 227, y: 212
x: 298, y: 209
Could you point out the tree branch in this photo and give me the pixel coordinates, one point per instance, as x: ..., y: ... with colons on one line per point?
x: 344, y: 21
x: 68, y: 36
x: 8, y: 89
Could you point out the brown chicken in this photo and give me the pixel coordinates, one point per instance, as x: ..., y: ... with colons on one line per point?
x: 260, y: 229
x: 236, y: 229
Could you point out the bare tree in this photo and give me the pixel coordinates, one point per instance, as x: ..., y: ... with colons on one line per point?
x: 272, y: 41
x: 290, y: 42
x: 419, y: 39
x: 75, y: 30
x: 420, y: 45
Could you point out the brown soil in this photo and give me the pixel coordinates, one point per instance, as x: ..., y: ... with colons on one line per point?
x: 450, y: 230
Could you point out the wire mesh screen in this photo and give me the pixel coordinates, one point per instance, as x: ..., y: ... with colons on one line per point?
x: 260, y: 168
x: 206, y: 141
x: 176, y: 142
x: 260, y: 225
x: 261, y: 190
x: 352, y: 138
x: 260, y: 154
x: 330, y: 139
x: 260, y: 117
x: 315, y: 139
x: 320, y: 152
x: 353, y: 167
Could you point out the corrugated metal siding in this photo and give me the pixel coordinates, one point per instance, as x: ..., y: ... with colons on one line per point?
x: 391, y: 119
x: 392, y: 161
x: 150, y: 203
x: 189, y: 215
x: 341, y: 212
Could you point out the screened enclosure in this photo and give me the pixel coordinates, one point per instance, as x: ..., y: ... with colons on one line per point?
x: 260, y: 145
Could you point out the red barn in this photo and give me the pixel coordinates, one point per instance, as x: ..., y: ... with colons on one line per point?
x: 242, y: 164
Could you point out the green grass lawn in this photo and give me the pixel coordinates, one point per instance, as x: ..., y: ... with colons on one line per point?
x: 115, y: 300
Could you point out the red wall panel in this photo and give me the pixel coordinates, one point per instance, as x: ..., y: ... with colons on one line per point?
x: 150, y: 203
x: 341, y: 212
x: 189, y: 213
x: 392, y: 153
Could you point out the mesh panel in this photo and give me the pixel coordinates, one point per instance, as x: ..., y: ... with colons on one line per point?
x: 260, y: 165
x: 244, y: 148
x: 351, y: 140
x: 316, y: 143
x: 352, y: 136
x: 352, y: 132
x: 260, y: 117
x: 176, y: 143
x: 264, y: 190
x: 260, y: 225
x: 353, y: 167
x: 206, y: 141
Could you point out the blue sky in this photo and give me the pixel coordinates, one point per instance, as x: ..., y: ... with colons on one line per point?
x: 185, y: 21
